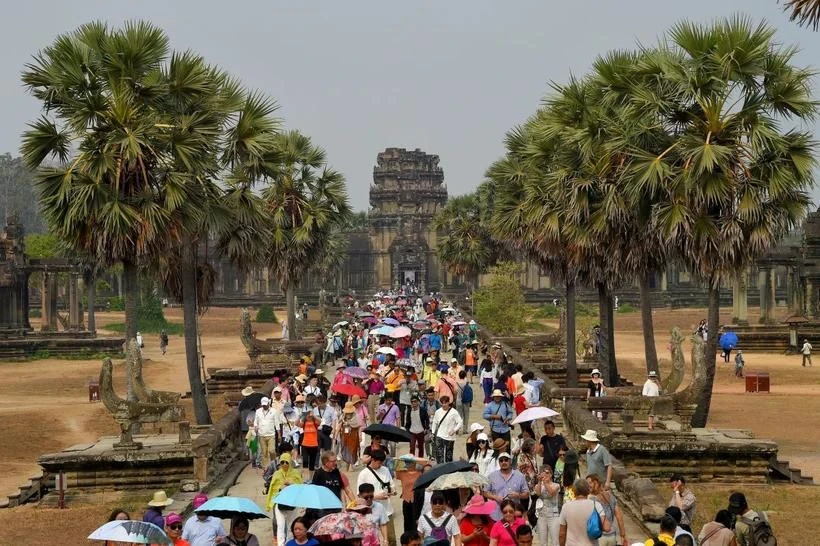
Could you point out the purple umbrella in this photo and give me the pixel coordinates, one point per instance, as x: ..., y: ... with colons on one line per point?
x: 391, y: 321
x: 355, y: 372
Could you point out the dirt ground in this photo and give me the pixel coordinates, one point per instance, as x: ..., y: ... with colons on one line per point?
x: 44, y: 404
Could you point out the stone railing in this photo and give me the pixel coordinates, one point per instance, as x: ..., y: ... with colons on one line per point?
x: 217, y: 446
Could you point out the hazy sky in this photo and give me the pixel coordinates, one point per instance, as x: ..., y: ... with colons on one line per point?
x: 449, y: 77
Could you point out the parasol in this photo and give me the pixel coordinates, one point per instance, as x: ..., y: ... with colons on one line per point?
x: 131, y: 532
x: 346, y: 525
x: 388, y: 432
x: 458, y: 480
x: 308, y: 496
x: 355, y: 372
x: 400, y: 332
x: 533, y: 413
x: 440, y: 470
x: 348, y: 390
x: 387, y: 351
x: 229, y: 507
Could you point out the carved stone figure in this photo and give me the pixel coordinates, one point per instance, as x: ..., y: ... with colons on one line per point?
x: 671, y: 382
x: 133, y: 362
x: 126, y: 412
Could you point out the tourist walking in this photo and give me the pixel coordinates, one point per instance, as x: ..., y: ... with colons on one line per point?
x: 173, y: 528
x: 506, y: 483
x: 739, y: 363
x: 745, y: 519
x: 347, y: 435
x: 163, y: 341
x: 310, y: 443
x: 378, y: 475
x: 499, y: 413
x: 284, y: 476
x: 416, y: 422
x: 599, y: 461
x: 372, y: 510
x: 549, y: 446
x: 201, y: 530
x: 574, y: 516
x: 438, y: 524
x: 446, y: 426
x: 487, y: 376
x: 464, y: 399
x: 651, y: 388
x: 154, y: 512
x: 327, y: 416
x: 503, y: 532
x: 718, y: 532
x: 684, y: 499
x: 547, y: 507
x: 483, y: 455
x: 806, y: 350
x: 612, y: 511
x: 267, y: 424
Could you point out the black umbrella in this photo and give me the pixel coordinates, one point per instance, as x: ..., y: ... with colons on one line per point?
x: 440, y: 470
x: 252, y: 401
x: 388, y: 432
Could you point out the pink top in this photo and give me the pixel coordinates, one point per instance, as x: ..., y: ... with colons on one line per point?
x: 505, y: 535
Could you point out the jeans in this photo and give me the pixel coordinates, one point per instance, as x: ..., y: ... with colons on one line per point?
x: 444, y: 450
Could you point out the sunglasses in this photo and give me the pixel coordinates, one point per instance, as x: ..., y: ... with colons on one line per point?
x: 437, y: 502
x: 285, y: 462
x: 175, y: 526
x: 482, y: 441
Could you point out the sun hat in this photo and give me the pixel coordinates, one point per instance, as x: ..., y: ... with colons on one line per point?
x: 301, y: 378
x: 247, y: 391
x: 590, y: 436
x: 199, y: 500
x: 277, y: 389
x: 349, y: 408
x: 652, y: 373
x: 429, y: 360
x: 319, y: 372
x: 476, y: 426
x: 497, y: 392
x: 265, y: 401
x: 172, y: 518
x: 300, y: 398
x: 472, y: 322
x: 454, y: 360
x: 480, y: 507
x: 160, y: 499
x: 595, y: 371
x: 505, y: 455
x: 355, y: 399
x: 499, y: 444
x: 482, y: 436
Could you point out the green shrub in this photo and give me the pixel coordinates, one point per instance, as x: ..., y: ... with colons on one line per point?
x: 150, y: 318
x: 116, y: 303
x: 499, y: 304
x: 266, y: 314
x: 35, y: 313
x: 584, y: 310
x: 627, y: 308
x: 547, y: 312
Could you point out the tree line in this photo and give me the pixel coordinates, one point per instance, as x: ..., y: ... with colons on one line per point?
x: 688, y: 152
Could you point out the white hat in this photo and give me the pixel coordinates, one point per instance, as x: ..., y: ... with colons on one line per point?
x: 653, y: 373
x: 595, y: 371
x: 247, y: 391
x: 454, y: 360
x: 482, y: 436
x: 472, y: 322
x: 277, y: 389
x: 476, y: 426
x: 497, y: 392
x: 265, y: 401
x: 160, y: 498
x: 505, y: 455
x: 590, y: 436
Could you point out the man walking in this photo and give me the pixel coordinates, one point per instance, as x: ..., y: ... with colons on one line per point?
x: 506, y: 483
x: 267, y: 424
x: 446, y: 424
x: 574, y: 516
x: 651, y: 388
x: 327, y: 416
x: 739, y: 363
x: 378, y: 475
x: 499, y: 413
x: 416, y: 422
x: 806, y: 350
x: 599, y: 461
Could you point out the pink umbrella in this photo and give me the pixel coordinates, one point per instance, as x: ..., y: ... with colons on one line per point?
x: 400, y: 332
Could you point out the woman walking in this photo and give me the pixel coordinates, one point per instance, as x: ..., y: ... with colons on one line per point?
x: 547, y: 508
x: 347, y: 435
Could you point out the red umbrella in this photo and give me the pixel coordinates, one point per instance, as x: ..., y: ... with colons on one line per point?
x: 348, y: 390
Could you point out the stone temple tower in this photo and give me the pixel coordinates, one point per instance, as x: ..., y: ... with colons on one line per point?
x: 408, y: 189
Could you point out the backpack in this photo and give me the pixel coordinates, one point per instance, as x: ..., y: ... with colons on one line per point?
x: 467, y: 394
x: 760, y: 532
x: 440, y: 532
x: 594, y: 526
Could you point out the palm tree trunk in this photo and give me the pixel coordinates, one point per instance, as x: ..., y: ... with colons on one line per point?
x: 92, y: 303
x: 572, y: 365
x: 704, y: 398
x: 604, y: 332
x: 650, y: 350
x: 129, y: 273
x: 290, y: 296
x: 190, y: 310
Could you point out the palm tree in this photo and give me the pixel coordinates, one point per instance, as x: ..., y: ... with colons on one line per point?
x: 805, y: 12
x: 100, y: 143
x: 734, y: 179
x: 304, y: 202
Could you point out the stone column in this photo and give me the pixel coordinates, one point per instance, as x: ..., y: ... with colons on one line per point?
x: 664, y: 282
x: 770, y: 296
x: 739, y: 303
x: 765, y: 302
x: 809, y: 301
x: 51, y: 312
x: 73, y: 303
x: 44, y: 302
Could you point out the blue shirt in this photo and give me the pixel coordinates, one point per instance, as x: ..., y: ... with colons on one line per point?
x: 503, y: 486
x: 435, y: 341
x: 202, y: 533
x: 498, y: 408
x: 310, y: 542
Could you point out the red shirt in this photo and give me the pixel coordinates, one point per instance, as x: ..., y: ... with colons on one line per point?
x: 520, y: 404
x: 467, y: 528
x: 505, y: 538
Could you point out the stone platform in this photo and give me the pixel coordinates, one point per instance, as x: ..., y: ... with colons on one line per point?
x: 162, y: 463
x: 58, y: 344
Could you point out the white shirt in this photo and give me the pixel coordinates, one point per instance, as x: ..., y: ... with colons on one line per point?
x: 267, y: 422
x: 651, y: 388
x: 327, y: 416
x: 446, y: 423
x: 451, y: 528
x: 377, y: 514
x: 806, y: 348
x: 202, y: 533
x: 366, y: 476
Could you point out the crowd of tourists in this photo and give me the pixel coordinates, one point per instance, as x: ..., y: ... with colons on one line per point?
x: 413, y: 363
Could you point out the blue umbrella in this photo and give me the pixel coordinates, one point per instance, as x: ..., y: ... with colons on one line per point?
x: 728, y: 340
x: 228, y: 507
x: 308, y: 496
x: 383, y: 330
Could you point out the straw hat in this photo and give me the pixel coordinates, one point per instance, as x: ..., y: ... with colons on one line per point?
x: 247, y: 391
x: 355, y: 399
x: 160, y: 499
x: 301, y: 378
x: 497, y: 392
x: 500, y: 444
x: 590, y: 436
x: 349, y: 408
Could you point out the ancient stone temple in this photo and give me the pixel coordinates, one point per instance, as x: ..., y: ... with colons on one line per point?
x: 13, y: 281
x: 408, y: 189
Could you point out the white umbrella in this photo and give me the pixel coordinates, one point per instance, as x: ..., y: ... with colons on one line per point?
x: 400, y: 332
x: 447, y: 310
x: 131, y: 532
x: 387, y: 351
x: 340, y: 323
x: 459, y: 323
x: 536, y: 412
